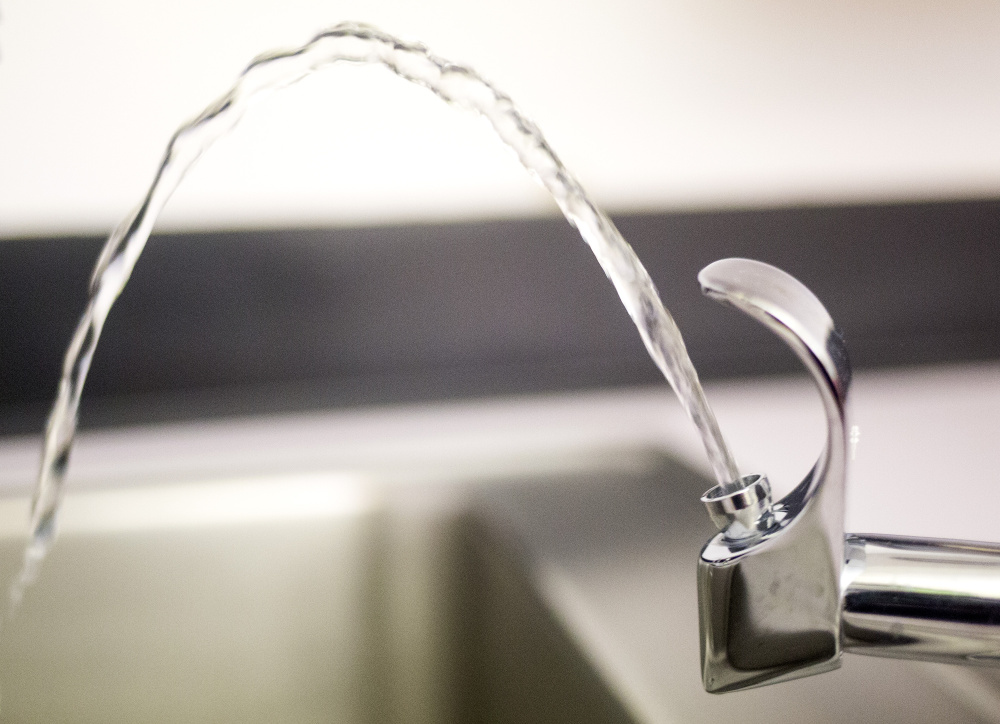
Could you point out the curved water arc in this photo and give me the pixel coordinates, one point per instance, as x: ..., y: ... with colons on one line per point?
x: 456, y: 84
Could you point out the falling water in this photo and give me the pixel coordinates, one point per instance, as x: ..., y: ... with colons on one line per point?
x: 455, y: 84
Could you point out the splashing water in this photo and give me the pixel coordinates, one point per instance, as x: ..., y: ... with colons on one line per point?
x: 455, y: 84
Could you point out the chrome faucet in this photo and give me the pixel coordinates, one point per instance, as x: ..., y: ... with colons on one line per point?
x: 782, y: 590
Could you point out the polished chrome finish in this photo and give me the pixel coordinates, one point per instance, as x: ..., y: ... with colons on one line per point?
x: 934, y: 600
x: 777, y: 597
x: 741, y: 513
x: 769, y: 603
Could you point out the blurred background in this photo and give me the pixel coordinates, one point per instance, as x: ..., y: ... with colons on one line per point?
x: 357, y: 241
x: 361, y: 328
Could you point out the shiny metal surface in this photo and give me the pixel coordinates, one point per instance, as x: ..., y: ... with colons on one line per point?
x: 933, y: 600
x: 782, y: 594
x: 741, y: 513
x: 770, y: 604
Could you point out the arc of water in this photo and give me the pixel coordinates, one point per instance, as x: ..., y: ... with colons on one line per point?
x: 453, y: 83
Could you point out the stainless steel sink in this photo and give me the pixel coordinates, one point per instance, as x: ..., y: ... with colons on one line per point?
x: 301, y: 569
x: 221, y: 601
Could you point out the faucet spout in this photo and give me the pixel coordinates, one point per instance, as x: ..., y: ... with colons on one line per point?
x: 781, y: 591
x: 770, y: 602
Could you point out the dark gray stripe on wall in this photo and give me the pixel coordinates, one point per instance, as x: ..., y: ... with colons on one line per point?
x: 286, y: 319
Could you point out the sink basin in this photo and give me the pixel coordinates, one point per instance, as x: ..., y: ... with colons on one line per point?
x: 309, y: 598
x: 299, y: 569
x: 243, y: 622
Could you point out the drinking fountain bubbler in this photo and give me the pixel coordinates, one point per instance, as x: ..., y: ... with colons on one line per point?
x: 783, y: 591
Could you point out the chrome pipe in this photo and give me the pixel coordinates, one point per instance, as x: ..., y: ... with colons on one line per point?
x: 913, y: 598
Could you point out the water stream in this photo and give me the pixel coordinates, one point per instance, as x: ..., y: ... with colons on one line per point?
x: 456, y: 84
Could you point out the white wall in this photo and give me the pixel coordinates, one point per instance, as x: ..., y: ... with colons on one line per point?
x: 654, y: 104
